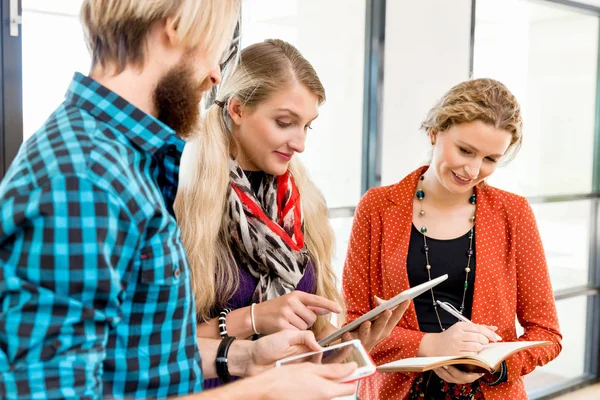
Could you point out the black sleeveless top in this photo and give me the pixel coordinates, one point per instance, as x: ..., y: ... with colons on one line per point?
x: 446, y: 257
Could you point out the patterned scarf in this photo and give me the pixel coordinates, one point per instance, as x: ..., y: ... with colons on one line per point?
x: 267, y: 231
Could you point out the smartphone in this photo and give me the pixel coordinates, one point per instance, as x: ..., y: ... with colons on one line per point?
x: 340, y: 353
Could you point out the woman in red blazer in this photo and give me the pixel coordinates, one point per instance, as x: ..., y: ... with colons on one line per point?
x: 444, y: 218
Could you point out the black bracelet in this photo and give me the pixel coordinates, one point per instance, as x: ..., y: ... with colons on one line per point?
x: 221, y: 361
x: 501, y: 378
x: 222, y: 324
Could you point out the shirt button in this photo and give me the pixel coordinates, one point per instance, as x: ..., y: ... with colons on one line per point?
x: 171, y: 149
x: 177, y: 273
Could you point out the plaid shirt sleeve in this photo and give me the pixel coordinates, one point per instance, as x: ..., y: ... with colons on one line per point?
x: 65, y: 247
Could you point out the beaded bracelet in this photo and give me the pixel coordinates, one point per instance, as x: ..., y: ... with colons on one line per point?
x: 222, y: 325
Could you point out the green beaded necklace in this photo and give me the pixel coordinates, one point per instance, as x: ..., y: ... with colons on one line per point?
x: 473, y: 200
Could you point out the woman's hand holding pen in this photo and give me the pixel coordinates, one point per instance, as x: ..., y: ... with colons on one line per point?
x: 461, y: 339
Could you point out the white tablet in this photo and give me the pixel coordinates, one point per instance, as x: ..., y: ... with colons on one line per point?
x: 352, y: 351
x: 408, y: 294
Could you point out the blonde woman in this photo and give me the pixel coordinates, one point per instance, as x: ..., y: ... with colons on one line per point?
x: 254, y: 225
x: 444, y: 219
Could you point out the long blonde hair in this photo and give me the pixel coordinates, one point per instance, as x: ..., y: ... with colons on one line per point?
x: 116, y: 30
x: 264, y: 69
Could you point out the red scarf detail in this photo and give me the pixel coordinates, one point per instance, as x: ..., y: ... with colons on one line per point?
x: 288, y: 200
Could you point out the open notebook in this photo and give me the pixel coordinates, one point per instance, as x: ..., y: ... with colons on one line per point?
x: 488, y: 359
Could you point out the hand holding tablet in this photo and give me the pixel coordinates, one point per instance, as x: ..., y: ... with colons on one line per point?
x: 408, y: 294
x: 347, y: 352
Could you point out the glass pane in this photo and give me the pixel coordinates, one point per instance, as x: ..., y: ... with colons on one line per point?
x: 595, y: 3
x: 427, y: 51
x: 570, y: 363
x: 341, y: 228
x: 53, y: 49
x: 547, y: 56
x: 565, y: 231
x: 334, y: 145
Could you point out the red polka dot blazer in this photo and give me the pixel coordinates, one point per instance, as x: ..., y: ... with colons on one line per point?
x: 511, y: 280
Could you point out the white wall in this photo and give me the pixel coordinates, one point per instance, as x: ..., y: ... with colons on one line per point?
x: 427, y: 46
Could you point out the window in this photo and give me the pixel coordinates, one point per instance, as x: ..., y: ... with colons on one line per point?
x: 547, y: 55
x: 335, y: 48
x: 334, y: 145
x: 570, y: 363
x: 341, y: 227
x: 565, y: 228
x: 426, y: 53
x: 53, y: 49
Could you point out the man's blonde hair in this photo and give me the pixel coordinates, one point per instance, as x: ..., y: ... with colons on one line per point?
x: 116, y: 30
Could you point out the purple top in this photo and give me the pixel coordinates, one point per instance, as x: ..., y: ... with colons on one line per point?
x: 243, y: 296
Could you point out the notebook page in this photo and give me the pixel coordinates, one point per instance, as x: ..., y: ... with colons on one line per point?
x: 420, y: 362
x: 494, y: 353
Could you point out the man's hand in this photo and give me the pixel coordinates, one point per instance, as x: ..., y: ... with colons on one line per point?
x: 291, y: 382
x: 267, y: 350
x: 306, y: 381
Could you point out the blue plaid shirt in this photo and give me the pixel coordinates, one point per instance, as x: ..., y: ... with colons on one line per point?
x: 95, y: 295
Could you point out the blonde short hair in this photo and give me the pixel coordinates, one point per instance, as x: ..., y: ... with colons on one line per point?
x: 484, y: 100
x: 116, y: 30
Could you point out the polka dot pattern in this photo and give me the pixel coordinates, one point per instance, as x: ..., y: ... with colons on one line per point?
x: 511, y: 280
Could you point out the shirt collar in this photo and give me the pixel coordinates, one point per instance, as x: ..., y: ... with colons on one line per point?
x: 144, y: 130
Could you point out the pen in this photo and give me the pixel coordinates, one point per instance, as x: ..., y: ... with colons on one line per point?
x: 453, y: 311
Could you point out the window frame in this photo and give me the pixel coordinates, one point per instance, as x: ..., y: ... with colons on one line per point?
x: 11, y: 97
x: 592, y: 289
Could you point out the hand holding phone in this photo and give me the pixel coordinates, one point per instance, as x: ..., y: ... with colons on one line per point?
x: 297, y: 382
x: 265, y: 351
x: 352, y: 351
